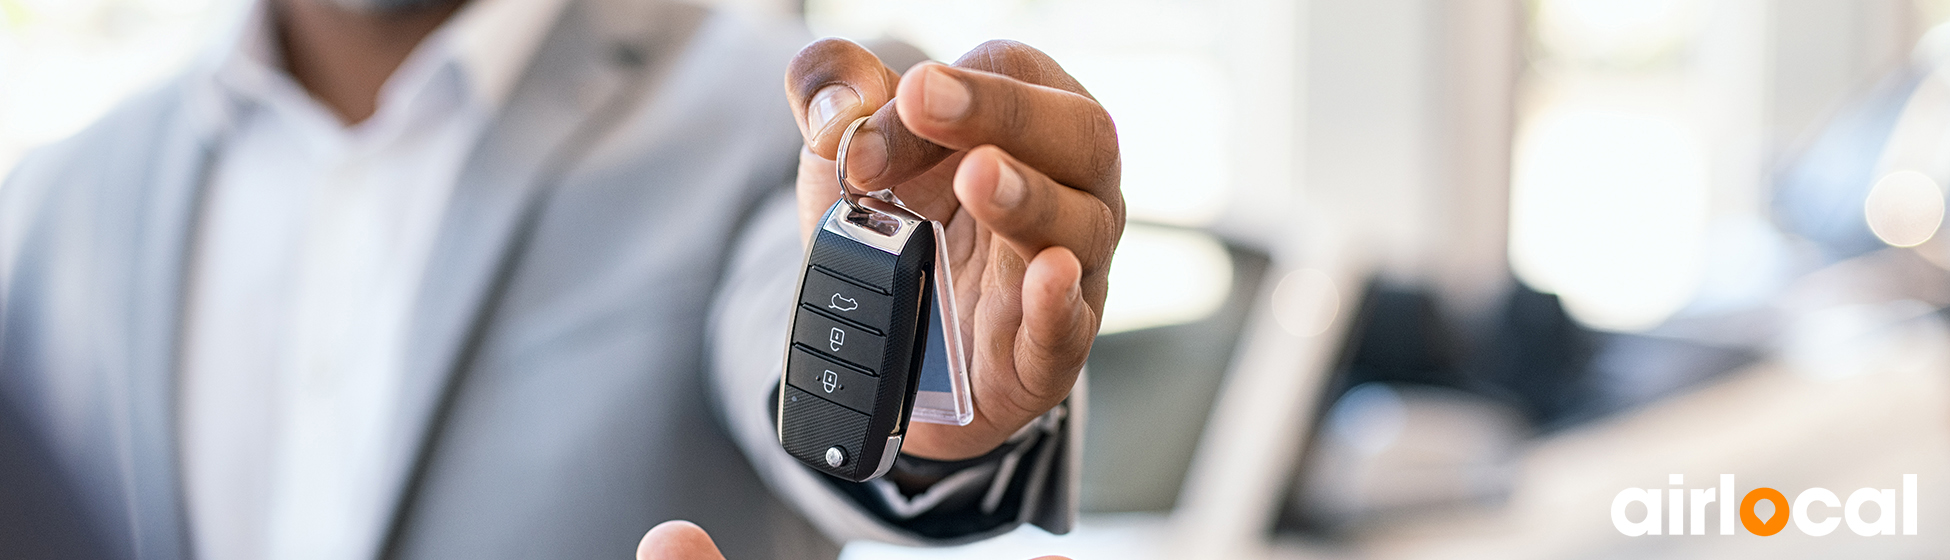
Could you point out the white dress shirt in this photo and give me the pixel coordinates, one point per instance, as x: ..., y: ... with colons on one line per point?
x: 310, y: 252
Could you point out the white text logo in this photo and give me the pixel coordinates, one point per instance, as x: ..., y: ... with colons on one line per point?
x: 1670, y: 510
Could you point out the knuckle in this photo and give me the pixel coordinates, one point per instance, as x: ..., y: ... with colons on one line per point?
x: 1105, y: 161
x: 1041, y: 211
x: 1025, y: 402
x: 1033, y: 397
x: 1042, y: 384
x: 1012, y: 58
x: 824, y: 62
x: 826, y: 45
x: 1009, y: 112
x: 1106, y: 244
x: 1007, y: 45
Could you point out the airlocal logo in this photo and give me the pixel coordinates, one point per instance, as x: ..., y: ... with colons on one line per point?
x: 1805, y: 518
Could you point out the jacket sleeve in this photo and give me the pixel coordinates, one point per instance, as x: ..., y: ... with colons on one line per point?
x: 1032, y: 478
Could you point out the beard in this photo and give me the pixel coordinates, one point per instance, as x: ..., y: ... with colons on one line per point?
x: 390, y: 6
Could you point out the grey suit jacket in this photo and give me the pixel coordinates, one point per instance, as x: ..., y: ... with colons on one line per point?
x: 594, y: 349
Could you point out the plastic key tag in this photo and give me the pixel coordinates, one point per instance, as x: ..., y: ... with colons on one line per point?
x: 943, y: 396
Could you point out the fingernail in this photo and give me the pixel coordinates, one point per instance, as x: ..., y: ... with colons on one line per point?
x: 946, y: 97
x: 829, y: 104
x: 866, y: 157
x: 1009, y: 189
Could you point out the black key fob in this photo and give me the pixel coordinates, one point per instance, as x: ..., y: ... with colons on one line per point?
x: 858, y: 339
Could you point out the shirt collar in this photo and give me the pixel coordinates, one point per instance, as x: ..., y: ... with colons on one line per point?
x: 494, y: 40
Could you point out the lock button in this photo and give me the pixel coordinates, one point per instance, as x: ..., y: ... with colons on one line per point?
x: 853, y: 345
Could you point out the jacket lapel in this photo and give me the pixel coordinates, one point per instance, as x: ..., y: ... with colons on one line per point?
x: 590, y: 69
x: 593, y: 64
x: 166, y: 214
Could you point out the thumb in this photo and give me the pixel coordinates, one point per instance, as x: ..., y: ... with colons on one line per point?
x: 830, y: 83
x: 677, y: 540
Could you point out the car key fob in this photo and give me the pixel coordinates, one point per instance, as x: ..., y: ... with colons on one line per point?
x: 860, y: 332
x: 858, y: 339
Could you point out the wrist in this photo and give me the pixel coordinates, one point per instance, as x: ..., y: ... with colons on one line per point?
x: 914, y: 475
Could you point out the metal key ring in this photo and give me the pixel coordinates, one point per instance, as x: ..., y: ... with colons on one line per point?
x: 846, y: 140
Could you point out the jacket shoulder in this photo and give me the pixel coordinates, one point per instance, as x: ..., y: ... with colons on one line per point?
x: 129, y: 133
x: 109, y: 158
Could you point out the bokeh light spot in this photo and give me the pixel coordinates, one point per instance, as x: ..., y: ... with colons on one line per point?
x: 1904, y: 209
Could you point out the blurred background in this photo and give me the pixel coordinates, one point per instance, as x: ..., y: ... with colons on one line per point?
x: 1427, y: 278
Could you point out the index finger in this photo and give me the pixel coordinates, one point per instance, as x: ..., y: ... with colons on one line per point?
x: 1005, y: 94
x: 1064, y: 134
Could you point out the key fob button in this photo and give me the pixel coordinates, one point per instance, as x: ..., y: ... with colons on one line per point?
x: 832, y: 381
x: 846, y: 300
x: 849, y: 343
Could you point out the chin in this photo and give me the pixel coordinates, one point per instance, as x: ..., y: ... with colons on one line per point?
x: 390, y: 6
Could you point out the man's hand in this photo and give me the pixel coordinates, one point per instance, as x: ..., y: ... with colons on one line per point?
x: 683, y: 540
x: 677, y: 540
x: 1021, y: 165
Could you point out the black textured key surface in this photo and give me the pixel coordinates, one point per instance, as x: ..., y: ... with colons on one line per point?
x: 855, y: 260
x: 819, y: 424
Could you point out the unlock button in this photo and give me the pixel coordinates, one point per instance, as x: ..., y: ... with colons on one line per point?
x: 832, y: 381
